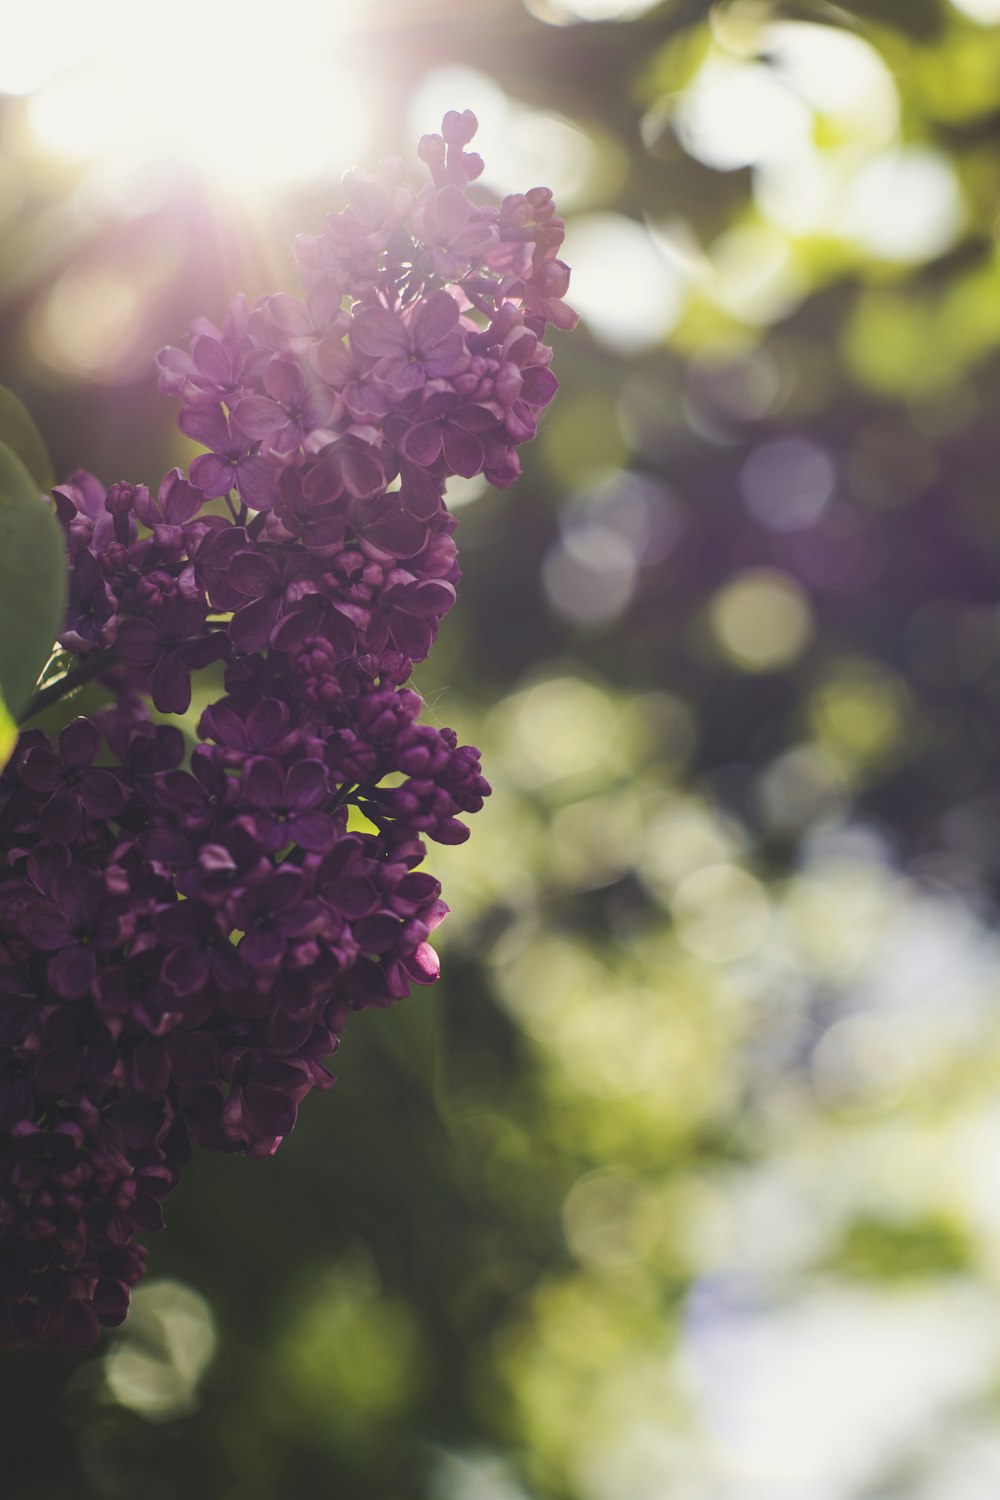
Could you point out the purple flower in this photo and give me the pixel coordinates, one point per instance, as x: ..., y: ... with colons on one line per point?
x: 233, y: 462
x: 444, y: 155
x: 425, y: 346
x: 200, y: 950
x: 350, y: 374
x: 318, y: 524
x: 73, y: 927
x: 263, y: 729
x: 80, y: 503
x: 71, y: 1202
x: 91, y: 613
x: 270, y: 583
x: 288, y: 325
x: 455, y: 234
x: 411, y: 612
x: 387, y: 524
x: 350, y: 465
x: 74, y: 786
x: 219, y: 361
x: 451, y: 430
x: 286, y: 807
x: 317, y: 617
x: 169, y: 649
x: 177, y: 502
x: 289, y: 412
x: 271, y: 914
x: 264, y: 1100
x: 181, y: 944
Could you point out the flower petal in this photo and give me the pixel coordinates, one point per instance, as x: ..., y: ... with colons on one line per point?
x: 79, y: 742
x: 378, y: 333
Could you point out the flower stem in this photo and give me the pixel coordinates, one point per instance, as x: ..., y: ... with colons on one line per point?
x: 92, y: 666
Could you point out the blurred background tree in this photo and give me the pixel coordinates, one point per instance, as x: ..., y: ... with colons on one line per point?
x: 683, y: 1183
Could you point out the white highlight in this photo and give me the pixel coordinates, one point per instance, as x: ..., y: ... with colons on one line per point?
x: 820, y: 1397
x: 156, y: 1362
x: 905, y: 205
x: 626, y: 290
x: 263, y: 95
x: 521, y: 147
x: 983, y: 12
x: 566, y: 12
x: 837, y: 74
x: 737, y: 114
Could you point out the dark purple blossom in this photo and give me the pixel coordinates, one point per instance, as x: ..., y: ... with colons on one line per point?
x: 233, y: 462
x: 408, y: 352
x: 76, y: 787
x: 177, y: 502
x: 269, y: 584
x: 72, y: 927
x: 92, y: 612
x: 184, y: 934
x: 167, y: 650
x: 272, y: 913
x: 199, y: 947
x: 350, y: 375
x: 289, y: 411
x: 287, y: 807
x: 450, y: 429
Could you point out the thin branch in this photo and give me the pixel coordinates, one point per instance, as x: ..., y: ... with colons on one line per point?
x: 92, y: 666
x: 344, y: 795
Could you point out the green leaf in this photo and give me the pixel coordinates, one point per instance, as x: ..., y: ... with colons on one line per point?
x: 8, y: 734
x: 18, y: 431
x: 33, y: 580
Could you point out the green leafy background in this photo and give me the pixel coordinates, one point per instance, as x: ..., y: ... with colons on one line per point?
x: 684, y: 1184
x: 33, y: 580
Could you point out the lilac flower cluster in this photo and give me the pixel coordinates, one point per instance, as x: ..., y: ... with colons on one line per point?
x: 183, y: 932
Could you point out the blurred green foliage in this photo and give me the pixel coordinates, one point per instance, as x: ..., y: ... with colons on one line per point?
x: 683, y: 1183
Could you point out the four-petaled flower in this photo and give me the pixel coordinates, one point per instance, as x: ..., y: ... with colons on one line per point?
x: 408, y: 353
